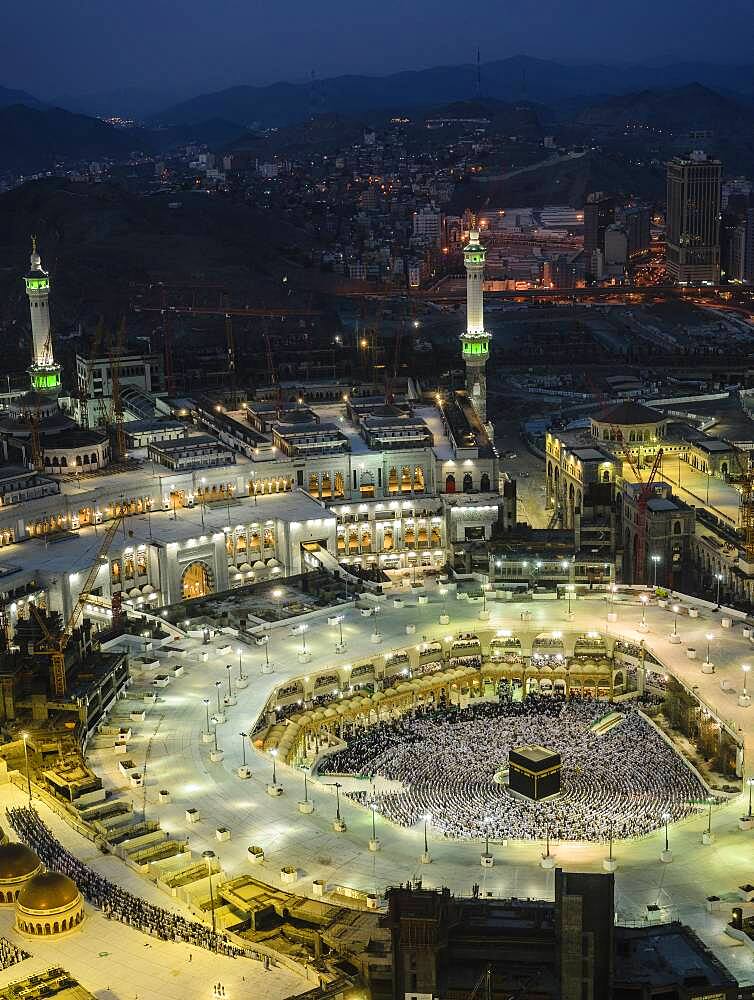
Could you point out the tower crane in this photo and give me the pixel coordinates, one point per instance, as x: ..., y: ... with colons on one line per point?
x: 116, y: 353
x: 55, y: 646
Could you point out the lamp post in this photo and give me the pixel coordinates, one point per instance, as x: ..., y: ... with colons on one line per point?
x: 25, y: 737
x: 655, y: 559
x: 718, y: 577
x: 228, y: 667
x: 743, y: 698
x: 750, y: 783
x: 338, y: 825
x: 209, y: 857
x: 206, y: 707
x: 707, y: 835
x: 274, y: 755
x: 218, y: 685
x: 374, y: 844
x: 675, y: 619
x: 425, y: 858
x: 643, y: 625
x: 240, y: 664
x: 243, y: 748
x: 666, y: 854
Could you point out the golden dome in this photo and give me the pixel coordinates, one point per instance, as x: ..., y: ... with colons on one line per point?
x: 17, y: 861
x: 48, y: 891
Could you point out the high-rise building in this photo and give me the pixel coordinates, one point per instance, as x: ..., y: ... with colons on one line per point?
x: 475, y: 341
x: 44, y: 373
x: 599, y: 213
x: 693, y: 219
x: 637, y: 221
x: 427, y: 227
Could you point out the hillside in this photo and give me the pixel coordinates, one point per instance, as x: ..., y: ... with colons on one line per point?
x: 9, y: 96
x: 515, y: 79
x: 679, y: 110
x: 96, y: 240
x: 34, y: 139
x: 566, y: 182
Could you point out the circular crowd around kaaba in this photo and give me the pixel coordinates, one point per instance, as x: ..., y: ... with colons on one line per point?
x: 620, y: 782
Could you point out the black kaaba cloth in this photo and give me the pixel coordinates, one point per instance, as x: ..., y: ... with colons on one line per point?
x: 534, y: 771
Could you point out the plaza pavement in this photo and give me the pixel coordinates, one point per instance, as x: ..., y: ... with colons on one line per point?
x: 179, y: 761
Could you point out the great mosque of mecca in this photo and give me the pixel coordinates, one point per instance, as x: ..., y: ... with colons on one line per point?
x: 302, y: 706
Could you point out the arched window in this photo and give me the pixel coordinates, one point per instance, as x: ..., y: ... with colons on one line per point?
x: 339, y: 484
x: 392, y: 480
x: 450, y: 483
x: 468, y: 483
x: 326, y: 485
x: 314, y: 484
x: 484, y: 484
x: 405, y: 479
x: 418, y: 479
x: 677, y: 528
x: 387, y: 539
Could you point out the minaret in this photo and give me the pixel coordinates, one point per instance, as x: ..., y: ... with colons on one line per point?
x: 44, y: 373
x: 475, y: 342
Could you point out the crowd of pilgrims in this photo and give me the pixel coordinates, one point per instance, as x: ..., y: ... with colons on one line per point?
x: 619, y: 783
x: 10, y: 954
x: 116, y: 903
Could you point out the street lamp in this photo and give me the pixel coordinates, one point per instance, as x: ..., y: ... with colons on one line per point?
x: 718, y: 577
x: 709, y: 637
x: 750, y: 783
x: 274, y: 755
x: 675, y: 619
x: 218, y: 685
x: 655, y: 559
x: 240, y: 664
x: 25, y: 737
x: 206, y: 707
x: 710, y: 803
x: 644, y: 598
x: 229, y: 667
x: 745, y: 668
x: 427, y: 819
x: 374, y: 843
x: 209, y: 857
x: 243, y: 747
x: 666, y: 820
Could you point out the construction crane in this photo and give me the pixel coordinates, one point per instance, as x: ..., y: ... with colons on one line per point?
x: 645, y: 492
x: 55, y: 646
x: 116, y: 353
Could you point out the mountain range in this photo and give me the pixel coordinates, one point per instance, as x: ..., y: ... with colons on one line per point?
x: 558, y: 85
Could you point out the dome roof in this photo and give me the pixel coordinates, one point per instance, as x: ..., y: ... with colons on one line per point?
x: 630, y: 413
x: 17, y: 861
x: 48, y: 891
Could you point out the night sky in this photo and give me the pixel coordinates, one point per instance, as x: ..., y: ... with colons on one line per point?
x: 75, y: 47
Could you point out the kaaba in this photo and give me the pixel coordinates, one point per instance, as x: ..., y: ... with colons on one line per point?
x: 534, y: 772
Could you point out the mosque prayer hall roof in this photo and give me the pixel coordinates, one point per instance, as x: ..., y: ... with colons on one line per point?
x: 17, y: 861
x: 48, y: 891
x: 630, y: 413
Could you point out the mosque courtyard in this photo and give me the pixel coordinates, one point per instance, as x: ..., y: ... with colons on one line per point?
x: 304, y: 851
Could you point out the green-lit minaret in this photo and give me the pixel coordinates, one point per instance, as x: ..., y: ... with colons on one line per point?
x: 44, y: 373
x: 475, y: 341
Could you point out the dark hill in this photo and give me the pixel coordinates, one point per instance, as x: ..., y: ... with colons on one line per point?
x: 9, y: 96
x: 567, y: 182
x: 520, y: 78
x: 35, y: 139
x: 97, y: 239
x: 682, y: 109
